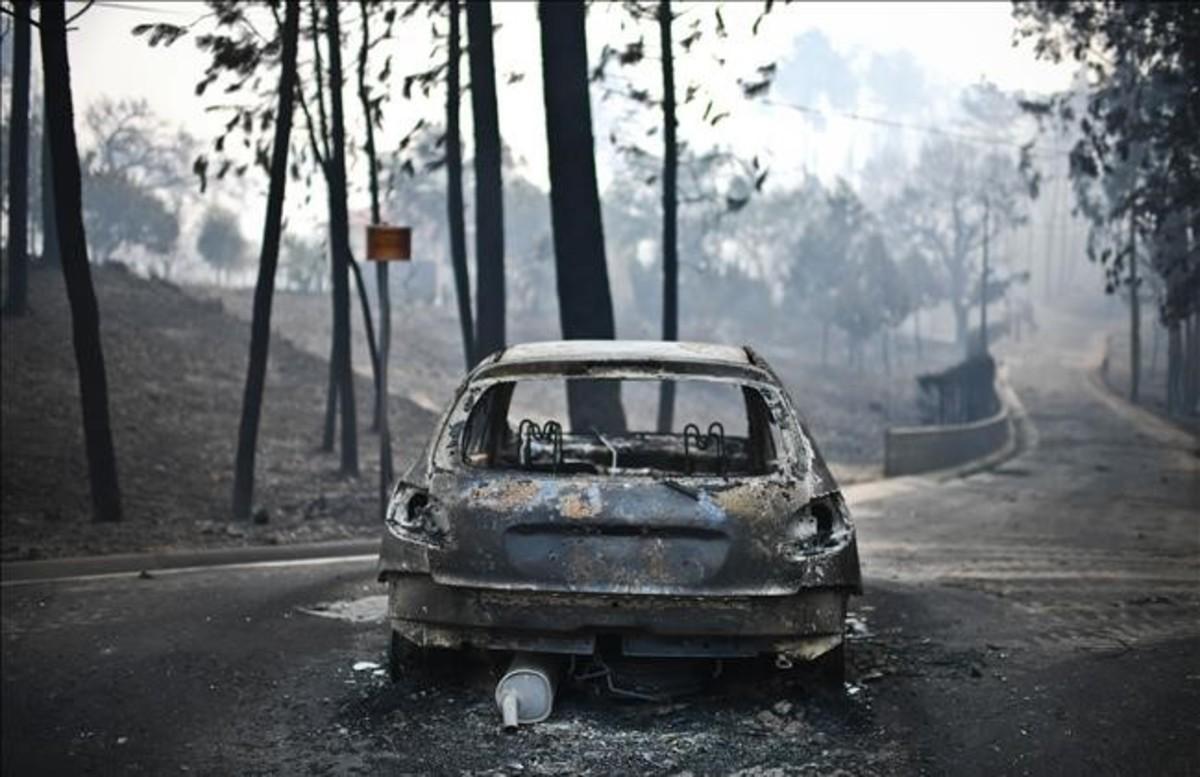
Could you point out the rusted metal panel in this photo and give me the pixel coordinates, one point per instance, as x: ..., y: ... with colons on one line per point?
x: 450, y: 616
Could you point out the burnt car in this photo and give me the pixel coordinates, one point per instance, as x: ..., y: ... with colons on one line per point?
x: 548, y: 513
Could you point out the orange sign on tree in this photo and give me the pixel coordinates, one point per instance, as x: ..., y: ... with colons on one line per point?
x: 386, y: 243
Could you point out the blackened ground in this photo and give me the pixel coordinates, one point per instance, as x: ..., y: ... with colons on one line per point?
x: 176, y: 368
x: 1041, y: 618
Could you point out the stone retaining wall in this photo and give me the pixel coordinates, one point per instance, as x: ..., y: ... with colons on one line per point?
x: 909, y: 450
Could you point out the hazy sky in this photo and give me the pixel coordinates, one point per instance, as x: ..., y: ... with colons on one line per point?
x: 905, y: 60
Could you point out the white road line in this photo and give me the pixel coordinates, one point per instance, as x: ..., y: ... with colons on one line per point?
x: 210, y: 568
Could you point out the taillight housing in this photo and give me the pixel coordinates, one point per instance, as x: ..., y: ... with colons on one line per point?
x: 410, y: 515
x: 819, y: 525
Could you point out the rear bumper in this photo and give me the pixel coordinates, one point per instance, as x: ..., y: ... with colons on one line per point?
x: 803, y: 625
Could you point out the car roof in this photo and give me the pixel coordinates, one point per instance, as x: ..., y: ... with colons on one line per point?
x: 623, y: 351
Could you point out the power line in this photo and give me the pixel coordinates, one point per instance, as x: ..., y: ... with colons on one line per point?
x: 149, y: 8
x: 895, y: 124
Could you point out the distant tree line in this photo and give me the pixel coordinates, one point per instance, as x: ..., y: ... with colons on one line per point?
x: 1136, y: 163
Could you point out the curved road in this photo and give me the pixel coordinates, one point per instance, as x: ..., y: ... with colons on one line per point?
x: 1040, y: 618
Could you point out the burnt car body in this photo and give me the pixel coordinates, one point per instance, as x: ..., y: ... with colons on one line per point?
x: 513, y: 533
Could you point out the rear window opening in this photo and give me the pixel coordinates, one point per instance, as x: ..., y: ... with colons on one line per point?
x: 718, y: 428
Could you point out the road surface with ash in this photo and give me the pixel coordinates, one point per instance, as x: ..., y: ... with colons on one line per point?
x: 1041, y: 618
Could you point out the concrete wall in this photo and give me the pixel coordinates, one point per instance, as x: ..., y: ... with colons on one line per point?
x: 912, y: 449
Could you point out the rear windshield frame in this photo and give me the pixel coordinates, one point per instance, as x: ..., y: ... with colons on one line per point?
x: 792, y: 453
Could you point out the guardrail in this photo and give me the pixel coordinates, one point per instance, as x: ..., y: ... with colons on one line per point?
x: 909, y: 450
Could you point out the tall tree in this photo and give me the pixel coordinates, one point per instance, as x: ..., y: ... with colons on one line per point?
x: 489, y: 199
x: 85, y: 317
x: 340, y: 244
x: 584, y: 300
x: 323, y: 156
x: 18, y: 167
x: 264, y: 289
x: 382, y: 284
x: 670, y: 245
x: 454, y: 194
x: 3, y: 34
x: 942, y: 213
x: 50, y: 251
x: 630, y: 54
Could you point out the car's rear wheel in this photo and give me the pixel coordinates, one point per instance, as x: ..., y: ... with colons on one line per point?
x: 397, y: 651
x: 404, y: 656
x: 830, y: 667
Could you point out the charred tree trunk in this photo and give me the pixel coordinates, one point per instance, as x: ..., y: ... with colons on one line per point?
x: 18, y: 166
x: 1156, y: 331
x: 962, y: 327
x: 323, y: 155
x: 85, y: 316
x: 3, y: 185
x: 264, y: 289
x: 321, y: 152
x: 329, y: 430
x: 670, y: 244
x: 489, y: 195
x: 917, y: 333
x: 1135, y: 318
x: 365, y: 303
x: 381, y: 273
x: 584, y: 300
x: 339, y: 240
x: 454, y: 191
x: 50, y: 250
x: 1192, y: 362
x: 1174, y: 367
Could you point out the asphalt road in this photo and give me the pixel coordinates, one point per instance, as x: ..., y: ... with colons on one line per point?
x: 1040, y: 618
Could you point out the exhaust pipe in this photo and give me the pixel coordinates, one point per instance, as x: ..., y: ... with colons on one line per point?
x: 525, y: 694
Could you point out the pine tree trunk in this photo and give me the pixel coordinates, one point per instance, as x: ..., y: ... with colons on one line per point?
x: 50, y: 250
x: 340, y: 243
x: 1192, y: 397
x: 1135, y: 318
x: 1174, y: 367
x: 454, y: 191
x: 18, y: 166
x: 1156, y: 331
x: 917, y: 333
x: 962, y: 333
x: 85, y: 316
x: 264, y: 288
x: 3, y: 184
x: 372, y: 352
x: 489, y: 194
x: 670, y: 243
x: 584, y: 299
x: 381, y: 275
x: 329, y: 430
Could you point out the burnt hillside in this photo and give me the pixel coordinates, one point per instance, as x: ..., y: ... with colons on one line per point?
x: 176, y: 367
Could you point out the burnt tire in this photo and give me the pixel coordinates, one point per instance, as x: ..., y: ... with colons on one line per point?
x: 406, y: 658
x: 398, y: 652
x: 830, y: 667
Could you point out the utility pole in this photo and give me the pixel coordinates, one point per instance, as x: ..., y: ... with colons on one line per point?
x: 983, y: 284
